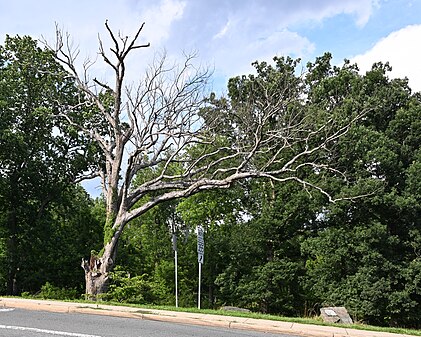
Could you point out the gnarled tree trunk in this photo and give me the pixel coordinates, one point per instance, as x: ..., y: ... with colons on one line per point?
x: 97, y: 270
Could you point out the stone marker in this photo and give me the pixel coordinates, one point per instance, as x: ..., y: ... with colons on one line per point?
x: 228, y: 308
x: 335, y: 315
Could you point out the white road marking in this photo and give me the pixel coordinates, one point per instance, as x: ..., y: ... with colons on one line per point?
x: 50, y: 332
x: 6, y: 309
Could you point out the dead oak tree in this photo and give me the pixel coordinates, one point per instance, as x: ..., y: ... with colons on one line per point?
x: 180, y: 143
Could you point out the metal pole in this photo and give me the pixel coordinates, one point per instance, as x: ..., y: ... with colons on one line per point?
x: 174, y: 247
x: 176, y: 279
x: 200, y: 277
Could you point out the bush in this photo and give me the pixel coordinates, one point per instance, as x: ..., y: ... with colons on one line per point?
x: 49, y: 291
x: 126, y: 289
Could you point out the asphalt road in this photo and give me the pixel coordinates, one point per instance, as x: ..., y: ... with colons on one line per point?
x: 26, y: 323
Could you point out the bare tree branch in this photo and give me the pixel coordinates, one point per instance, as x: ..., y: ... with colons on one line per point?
x: 165, y: 140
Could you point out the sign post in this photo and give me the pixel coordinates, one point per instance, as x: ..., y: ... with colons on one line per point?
x: 174, y: 247
x: 200, y: 257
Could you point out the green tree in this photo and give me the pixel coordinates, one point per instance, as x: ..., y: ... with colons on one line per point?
x: 218, y: 212
x: 52, y: 247
x: 146, y: 252
x: 262, y: 261
x: 364, y: 251
x: 39, y: 155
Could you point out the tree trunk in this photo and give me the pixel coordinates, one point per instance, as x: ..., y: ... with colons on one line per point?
x: 97, y: 270
x: 98, y: 267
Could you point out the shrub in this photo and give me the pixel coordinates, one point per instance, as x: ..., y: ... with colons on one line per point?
x: 49, y: 291
x: 126, y: 289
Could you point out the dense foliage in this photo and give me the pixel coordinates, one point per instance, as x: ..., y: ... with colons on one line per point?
x: 45, y: 221
x: 269, y: 247
x: 278, y: 248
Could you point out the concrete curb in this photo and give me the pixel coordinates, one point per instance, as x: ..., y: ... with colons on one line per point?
x: 229, y: 322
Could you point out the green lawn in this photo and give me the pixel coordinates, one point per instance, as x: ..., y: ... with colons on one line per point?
x: 303, y: 320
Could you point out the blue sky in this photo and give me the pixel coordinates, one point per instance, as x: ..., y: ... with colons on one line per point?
x: 228, y: 35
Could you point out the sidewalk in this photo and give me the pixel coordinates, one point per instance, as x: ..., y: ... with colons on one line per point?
x: 297, y: 329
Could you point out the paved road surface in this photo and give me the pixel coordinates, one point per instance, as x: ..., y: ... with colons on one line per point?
x: 23, y: 323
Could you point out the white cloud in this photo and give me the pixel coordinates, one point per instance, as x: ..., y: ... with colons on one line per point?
x: 223, y: 31
x: 286, y: 13
x: 228, y: 34
x: 360, y: 9
x: 283, y: 42
x: 160, y: 19
x: 231, y: 34
x: 237, y: 59
x: 403, y: 52
x: 84, y: 20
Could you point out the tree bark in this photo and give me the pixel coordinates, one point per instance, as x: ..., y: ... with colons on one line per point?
x: 97, y: 270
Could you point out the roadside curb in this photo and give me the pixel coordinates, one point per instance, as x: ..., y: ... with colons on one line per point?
x: 228, y: 322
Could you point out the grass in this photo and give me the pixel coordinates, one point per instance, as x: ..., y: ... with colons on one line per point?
x: 303, y: 320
